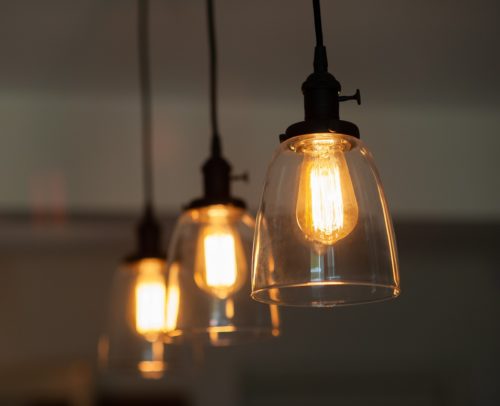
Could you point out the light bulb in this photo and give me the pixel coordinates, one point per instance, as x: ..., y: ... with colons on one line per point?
x: 220, y: 264
x: 326, y: 210
x: 150, y: 298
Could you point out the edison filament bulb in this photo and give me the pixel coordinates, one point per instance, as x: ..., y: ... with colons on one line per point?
x: 327, y: 210
x: 208, y: 279
x: 210, y: 250
x: 324, y: 234
x: 141, y: 309
x: 150, y: 296
x: 220, y: 264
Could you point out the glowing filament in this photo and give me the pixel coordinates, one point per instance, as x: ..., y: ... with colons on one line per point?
x: 326, y: 195
x: 220, y: 259
x: 327, y: 210
x: 150, y: 298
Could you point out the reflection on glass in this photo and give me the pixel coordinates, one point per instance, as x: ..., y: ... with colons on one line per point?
x: 173, y: 298
x: 155, y: 366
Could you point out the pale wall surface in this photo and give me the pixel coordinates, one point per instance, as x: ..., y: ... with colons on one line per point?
x: 69, y: 124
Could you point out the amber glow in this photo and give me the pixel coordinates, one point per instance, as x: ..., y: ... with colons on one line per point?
x: 214, y: 337
x: 275, y: 320
x: 229, y: 308
x: 150, y: 298
x: 220, y: 260
x: 216, y: 334
x: 154, y: 368
x: 173, y: 298
x: 327, y: 210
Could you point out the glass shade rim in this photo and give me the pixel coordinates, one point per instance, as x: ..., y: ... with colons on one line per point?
x: 127, y: 368
x: 260, y: 296
x: 236, y: 336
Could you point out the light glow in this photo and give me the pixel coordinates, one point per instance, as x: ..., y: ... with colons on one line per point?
x: 327, y: 209
x: 229, y: 308
x: 220, y: 260
x: 150, y: 298
x: 173, y: 298
x: 154, y: 368
x: 326, y: 195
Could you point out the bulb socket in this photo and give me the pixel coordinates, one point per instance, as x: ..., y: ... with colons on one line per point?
x: 321, y: 105
x: 216, y: 184
x: 149, y: 238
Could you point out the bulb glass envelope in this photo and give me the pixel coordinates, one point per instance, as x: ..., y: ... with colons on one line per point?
x: 138, y: 319
x: 209, y: 274
x: 324, y: 235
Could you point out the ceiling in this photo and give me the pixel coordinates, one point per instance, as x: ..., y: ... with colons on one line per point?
x: 69, y: 113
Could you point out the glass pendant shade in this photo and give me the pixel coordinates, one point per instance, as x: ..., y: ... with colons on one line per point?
x: 137, y: 320
x: 324, y: 235
x: 209, y: 277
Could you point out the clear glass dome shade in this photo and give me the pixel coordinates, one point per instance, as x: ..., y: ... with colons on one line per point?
x: 324, y: 235
x: 209, y: 275
x: 137, y: 319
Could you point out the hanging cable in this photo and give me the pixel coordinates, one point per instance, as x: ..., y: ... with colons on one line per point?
x: 216, y: 147
x: 317, y: 23
x: 149, y: 232
x: 320, y: 59
x: 216, y: 169
x: 145, y: 89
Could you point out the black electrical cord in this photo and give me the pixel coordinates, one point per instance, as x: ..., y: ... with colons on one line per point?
x: 216, y: 169
x: 321, y: 95
x: 145, y: 89
x: 216, y: 143
x: 317, y: 23
x: 320, y: 59
x: 148, y: 230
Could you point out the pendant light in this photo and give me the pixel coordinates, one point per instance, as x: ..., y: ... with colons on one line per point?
x: 324, y: 235
x: 138, y: 312
x: 210, y: 253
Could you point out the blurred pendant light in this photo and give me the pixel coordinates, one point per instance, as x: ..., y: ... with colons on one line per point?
x: 324, y: 235
x: 138, y: 313
x: 210, y: 254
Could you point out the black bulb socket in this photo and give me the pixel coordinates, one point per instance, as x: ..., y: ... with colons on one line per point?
x: 149, y: 238
x: 216, y: 185
x: 321, y: 103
